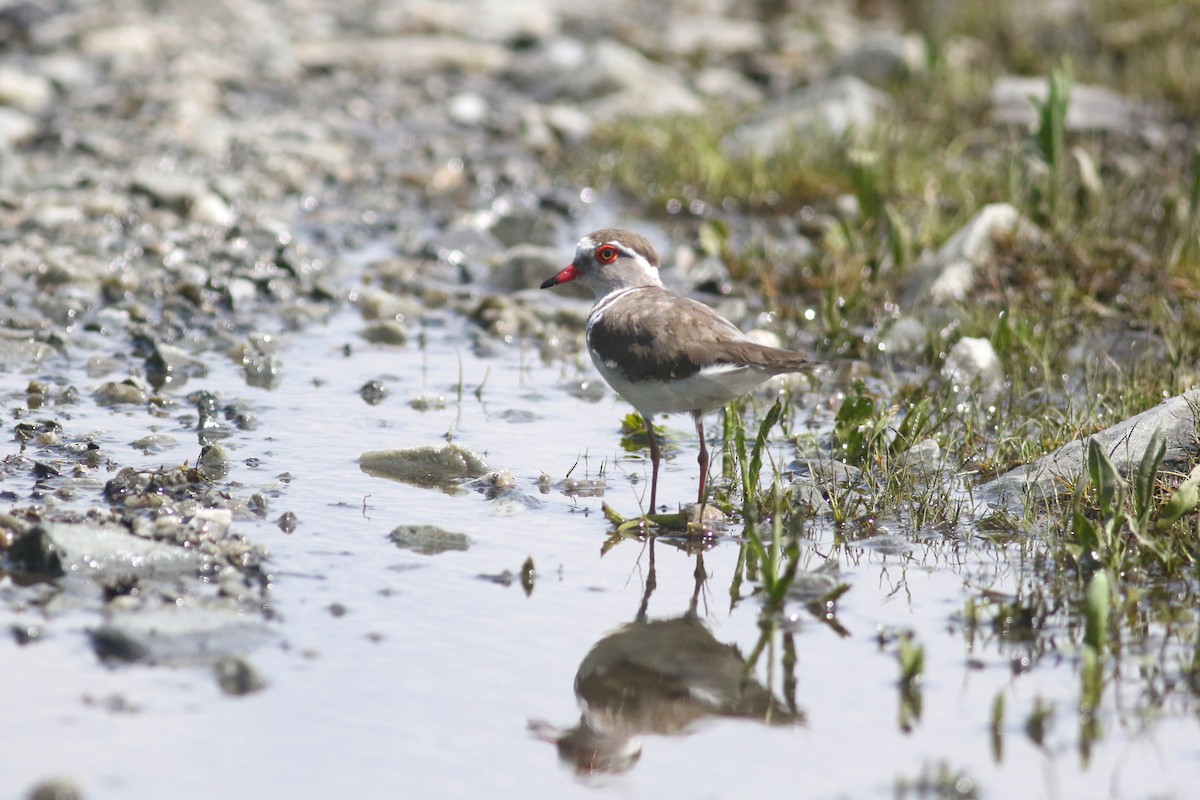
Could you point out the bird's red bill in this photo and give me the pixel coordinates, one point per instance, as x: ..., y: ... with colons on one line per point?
x: 569, y: 273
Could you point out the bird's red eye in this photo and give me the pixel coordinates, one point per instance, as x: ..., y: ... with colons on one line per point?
x: 606, y: 254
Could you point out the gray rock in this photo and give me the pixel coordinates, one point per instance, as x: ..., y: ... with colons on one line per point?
x: 403, y: 55
x: 527, y: 226
x: 56, y: 789
x: 839, y: 106
x: 171, y: 366
x: 428, y: 466
x: 236, y: 676
x: 428, y: 540
x: 568, y: 122
x: 923, y: 458
x: 728, y: 86
x: 1118, y: 352
x: 806, y: 492
x: 100, y: 552
x: 1090, y: 109
x: 213, y: 462
x: 526, y: 267
x: 507, y: 21
x: 427, y: 402
x: 505, y: 317
x: 809, y: 585
x: 464, y: 246
x: 373, y: 392
x: 262, y: 370
x: 708, y: 36
x: 1125, y: 443
x: 379, y: 304
x: 385, y: 332
x: 607, y: 79
x: 18, y: 350
x: 883, y: 57
x: 154, y: 443
x: 125, y: 392
x: 177, y: 634
x: 170, y: 190
x: 824, y: 470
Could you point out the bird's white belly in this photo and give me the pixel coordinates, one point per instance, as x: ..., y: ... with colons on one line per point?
x: 708, y: 389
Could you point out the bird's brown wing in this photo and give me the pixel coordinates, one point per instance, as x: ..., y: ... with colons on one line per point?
x: 663, y: 335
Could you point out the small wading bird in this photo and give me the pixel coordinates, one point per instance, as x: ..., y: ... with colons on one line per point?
x: 662, y: 352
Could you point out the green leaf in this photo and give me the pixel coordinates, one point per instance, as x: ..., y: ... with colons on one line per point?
x: 1183, y: 499
x: 1143, y: 479
x: 1096, y: 611
x: 914, y: 425
x: 1109, y: 486
x: 1085, y: 532
x: 764, y: 430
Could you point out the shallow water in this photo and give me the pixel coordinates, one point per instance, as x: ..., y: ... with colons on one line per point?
x: 429, y: 681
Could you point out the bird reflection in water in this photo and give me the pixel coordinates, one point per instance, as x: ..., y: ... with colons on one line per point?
x: 658, y: 676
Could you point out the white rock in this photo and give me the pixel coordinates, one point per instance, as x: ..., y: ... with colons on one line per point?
x: 467, y: 108
x: 973, y: 361
x: 210, y: 209
x: 121, y: 41
x: 905, y: 335
x: 32, y: 93
x: 16, y: 127
x: 765, y: 337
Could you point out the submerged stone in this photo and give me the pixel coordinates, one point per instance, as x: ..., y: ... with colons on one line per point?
x: 236, y: 676
x: 178, y: 634
x: 428, y: 540
x: 809, y: 585
x: 373, y: 392
x: 172, y: 366
x: 385, y: 332
x: 125, y: 392
x: 429, y: 466
x: 154, y: 443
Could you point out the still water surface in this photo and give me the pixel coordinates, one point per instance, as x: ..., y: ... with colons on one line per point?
x: 429, y: 682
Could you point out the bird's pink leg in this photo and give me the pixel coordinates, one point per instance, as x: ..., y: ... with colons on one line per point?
x: 655, y: 457
x: 703, y: 458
